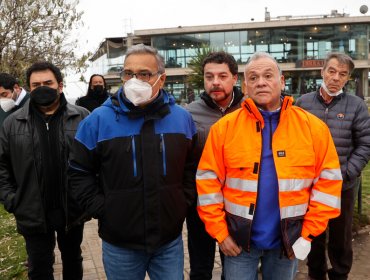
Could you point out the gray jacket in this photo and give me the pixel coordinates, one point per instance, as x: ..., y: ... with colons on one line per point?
x: 205, y: 113
x: 348, y: 119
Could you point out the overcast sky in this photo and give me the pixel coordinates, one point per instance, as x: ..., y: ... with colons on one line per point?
x: 113, y: 18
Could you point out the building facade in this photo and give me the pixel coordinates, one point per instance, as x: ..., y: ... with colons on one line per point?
x: 299, y: 44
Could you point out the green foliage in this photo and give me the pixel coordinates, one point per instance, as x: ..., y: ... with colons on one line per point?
x: 32, y: 30
x: 195, y: 77
x: 366, y: 190
x: 363, y: 218
x: 12, y: 249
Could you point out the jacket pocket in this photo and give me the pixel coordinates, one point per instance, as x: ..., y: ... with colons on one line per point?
x: 123, y: 218
x: 173, y: 209
x: 239, y: 229
x: 298, y: 163
x: 291, y: 231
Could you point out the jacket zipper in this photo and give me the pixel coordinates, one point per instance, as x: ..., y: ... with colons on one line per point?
x: 162, y: 149
x: 270, y: 120
x: 326, y: 114
x: 134, y: 154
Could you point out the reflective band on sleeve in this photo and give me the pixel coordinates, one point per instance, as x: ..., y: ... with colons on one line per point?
x: 324, y: 198
x: 293, y: 211
x: 330, y: 174
x: 294, y: 184
x: 237, y: 210
x: 242, y: 185
x: 205, y: 174
x: 209, y: 199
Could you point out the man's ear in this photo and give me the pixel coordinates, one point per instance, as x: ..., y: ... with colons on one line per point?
x: 60, y: 86
x: 162, y: 79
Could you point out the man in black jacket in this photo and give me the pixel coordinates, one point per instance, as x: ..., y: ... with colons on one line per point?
x: 348, y: 120
x: 220, y: 97
x: 34, y: 150
x: 12, y: 96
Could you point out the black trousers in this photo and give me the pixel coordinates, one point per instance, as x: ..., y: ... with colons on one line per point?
x: 339, y: 244
x: 201, y: 247
x: 40, y: 250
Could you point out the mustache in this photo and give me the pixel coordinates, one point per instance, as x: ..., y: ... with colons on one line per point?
x: 216, y: 89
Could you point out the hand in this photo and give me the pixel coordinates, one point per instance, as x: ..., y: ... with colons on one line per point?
x: 229, y: 247
x: 301, y: 248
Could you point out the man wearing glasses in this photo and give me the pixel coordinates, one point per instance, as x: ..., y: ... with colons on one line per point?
x: 132, y: 168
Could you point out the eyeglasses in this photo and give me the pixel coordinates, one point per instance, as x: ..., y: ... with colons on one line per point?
x: 144, y: 76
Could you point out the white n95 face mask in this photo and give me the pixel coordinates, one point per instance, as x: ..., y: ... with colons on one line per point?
x: 139, y: 92
x: 329, y: 92
x: 7, y: 104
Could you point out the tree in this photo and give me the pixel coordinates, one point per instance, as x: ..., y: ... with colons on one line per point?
x: 32, y: 30
x: 195, y: 77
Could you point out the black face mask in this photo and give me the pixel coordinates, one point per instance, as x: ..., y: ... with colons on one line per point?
x: 98, y: 90
x: 44, y: 95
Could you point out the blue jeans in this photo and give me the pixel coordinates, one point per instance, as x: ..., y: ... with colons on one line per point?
x: 274, y: 266
x: 166, y: 263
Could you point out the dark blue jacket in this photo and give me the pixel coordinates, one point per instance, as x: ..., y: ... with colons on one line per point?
x: 132, y: 169
x: 348, y: 119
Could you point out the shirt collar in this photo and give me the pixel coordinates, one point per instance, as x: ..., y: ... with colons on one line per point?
x: 20, y: 97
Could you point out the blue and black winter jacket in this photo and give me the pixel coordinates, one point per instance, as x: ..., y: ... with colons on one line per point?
x: 132, y: 168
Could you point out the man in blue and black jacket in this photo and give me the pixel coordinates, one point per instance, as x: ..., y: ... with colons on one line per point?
x: 131, y: 167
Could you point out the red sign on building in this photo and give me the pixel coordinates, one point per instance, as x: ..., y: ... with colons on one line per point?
x: 310, y: 63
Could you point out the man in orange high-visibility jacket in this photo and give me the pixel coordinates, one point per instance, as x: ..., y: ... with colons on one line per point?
x: 269, y: 179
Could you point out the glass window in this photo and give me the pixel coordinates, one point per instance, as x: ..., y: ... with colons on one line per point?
x: 232, y: 42
x: 217, y: 40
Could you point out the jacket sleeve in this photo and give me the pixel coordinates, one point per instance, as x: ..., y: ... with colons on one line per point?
x: 325, y: 192
x: 361, y: 137
x: 7, y: 180
x: 210, y: 180
x: 83, y: 169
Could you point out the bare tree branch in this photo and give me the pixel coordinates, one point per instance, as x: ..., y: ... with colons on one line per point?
x: 32, y: 30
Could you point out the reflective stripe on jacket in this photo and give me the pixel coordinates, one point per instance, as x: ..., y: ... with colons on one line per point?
x: 306, y: 164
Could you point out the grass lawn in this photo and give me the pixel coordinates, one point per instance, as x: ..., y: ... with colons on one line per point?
x: 363, y: 218
x: 12, y: 249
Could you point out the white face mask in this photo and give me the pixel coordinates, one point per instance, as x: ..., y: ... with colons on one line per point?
x: 7, y: 104
x: 323, y: 85
x: 139, y: 92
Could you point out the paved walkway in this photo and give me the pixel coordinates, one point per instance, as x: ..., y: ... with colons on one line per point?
x: 93, y: 266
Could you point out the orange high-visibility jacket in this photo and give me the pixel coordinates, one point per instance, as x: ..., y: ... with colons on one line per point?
x: 307, y: 169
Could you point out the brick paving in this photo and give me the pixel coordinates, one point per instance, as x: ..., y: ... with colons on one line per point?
x: 93, y: 266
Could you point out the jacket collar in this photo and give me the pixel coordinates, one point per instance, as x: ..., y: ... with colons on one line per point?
x: 250, y: 107
x: 238, y: 96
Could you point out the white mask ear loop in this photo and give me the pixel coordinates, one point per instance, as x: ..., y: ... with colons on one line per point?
x: 155, y: 95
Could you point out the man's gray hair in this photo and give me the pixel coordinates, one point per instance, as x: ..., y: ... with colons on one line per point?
x: 144, y: 49
x: 258, y: 55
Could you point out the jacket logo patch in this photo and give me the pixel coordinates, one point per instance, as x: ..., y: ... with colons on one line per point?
x: 281, y: 154
x: 340, y: 116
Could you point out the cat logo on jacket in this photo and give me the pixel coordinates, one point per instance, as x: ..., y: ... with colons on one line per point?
x: 340, y: 116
